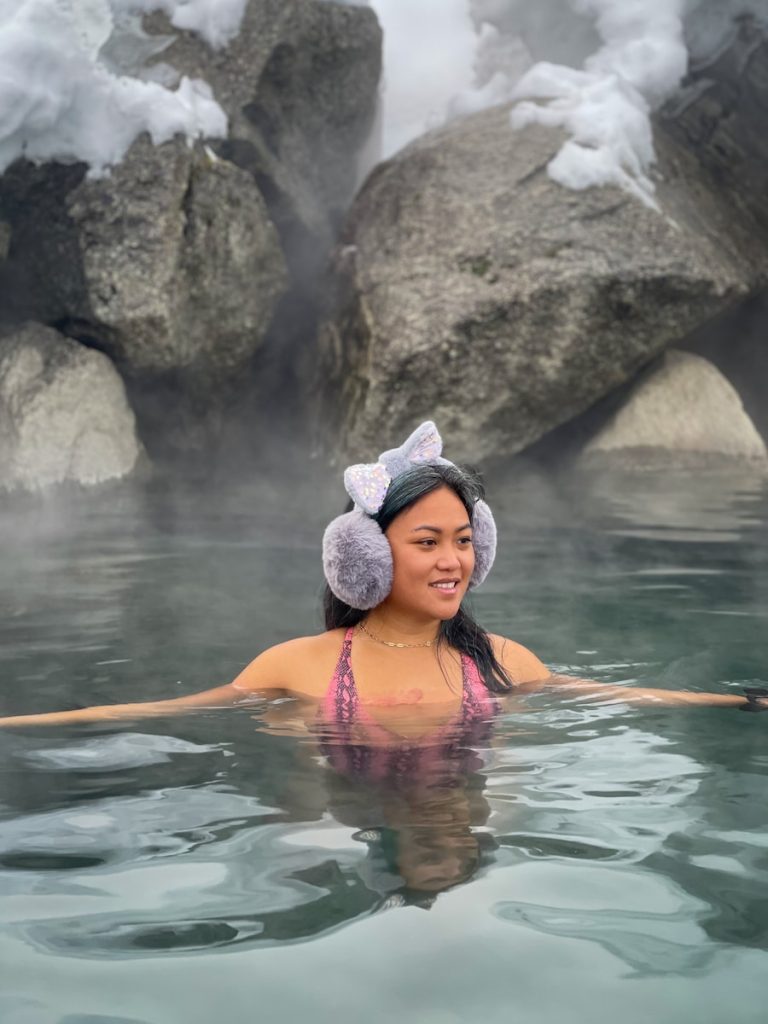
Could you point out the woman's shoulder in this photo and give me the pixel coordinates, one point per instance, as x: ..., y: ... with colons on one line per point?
x: 313, y: 644
x: 303, y: 665
x: 317, y: 650
x: 520, y: 663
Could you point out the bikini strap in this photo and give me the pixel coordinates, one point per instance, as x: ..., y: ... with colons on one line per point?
x: 475, y: 692
x: 343, y: 690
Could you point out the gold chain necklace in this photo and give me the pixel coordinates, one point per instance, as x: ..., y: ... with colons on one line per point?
x: 391, y: 643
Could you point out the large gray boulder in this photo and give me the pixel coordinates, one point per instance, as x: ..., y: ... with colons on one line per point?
x: 170, y: 262
x: 682, y: 410
x: 299, y: 85
x: 180, y: 261
x: 475, y: 291
x: 64, y: 416
x: 171, y: 265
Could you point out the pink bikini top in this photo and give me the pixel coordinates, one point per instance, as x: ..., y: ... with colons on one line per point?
x: 356, y: 744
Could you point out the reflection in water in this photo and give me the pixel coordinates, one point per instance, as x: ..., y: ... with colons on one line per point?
x: 419, y: 820
x: 225, y: 850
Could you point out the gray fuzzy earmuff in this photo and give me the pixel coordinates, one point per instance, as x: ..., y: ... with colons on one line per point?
x: 357, y: 558
x: 483, y: 541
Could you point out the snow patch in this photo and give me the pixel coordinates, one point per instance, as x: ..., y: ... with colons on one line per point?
x: 606, y: 106
x: 60, y: 101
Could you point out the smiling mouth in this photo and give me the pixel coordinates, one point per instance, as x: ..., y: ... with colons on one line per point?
x: 447, y: 586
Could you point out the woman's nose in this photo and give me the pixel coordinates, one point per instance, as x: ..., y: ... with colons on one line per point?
x: 448, y: 558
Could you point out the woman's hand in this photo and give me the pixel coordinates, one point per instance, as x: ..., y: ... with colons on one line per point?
x: 757, y: 699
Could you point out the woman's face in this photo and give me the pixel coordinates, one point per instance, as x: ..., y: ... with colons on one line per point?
x: 432, y: 556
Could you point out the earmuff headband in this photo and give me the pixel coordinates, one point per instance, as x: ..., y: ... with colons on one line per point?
x: 357, y: 558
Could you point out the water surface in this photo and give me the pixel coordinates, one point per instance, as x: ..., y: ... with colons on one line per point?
x: 581, y: 863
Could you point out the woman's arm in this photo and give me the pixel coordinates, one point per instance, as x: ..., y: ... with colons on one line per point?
x: 264, y: 675
x: 607, y: 693
x: 530, y: 674
x: 220, y: 696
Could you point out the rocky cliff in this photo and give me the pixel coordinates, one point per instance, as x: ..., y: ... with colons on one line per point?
x: 240, y: 279
x: 176, y: 264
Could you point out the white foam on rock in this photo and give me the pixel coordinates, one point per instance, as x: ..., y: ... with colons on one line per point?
x: 59, y: 101
x: 605, y: 107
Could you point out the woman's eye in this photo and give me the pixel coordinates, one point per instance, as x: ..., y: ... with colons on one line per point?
x: 430, y: 542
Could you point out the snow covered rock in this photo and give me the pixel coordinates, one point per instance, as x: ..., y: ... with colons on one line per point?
x: 682, y: 410
x: 475, y: 291
x: 64, y: 416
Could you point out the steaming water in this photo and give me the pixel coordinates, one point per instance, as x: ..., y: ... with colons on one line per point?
x: 612, y: 863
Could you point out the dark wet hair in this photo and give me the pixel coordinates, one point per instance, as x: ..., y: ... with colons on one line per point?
x: 461, y: 632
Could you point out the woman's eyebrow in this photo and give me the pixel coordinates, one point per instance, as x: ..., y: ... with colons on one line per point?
x: 436, y: 529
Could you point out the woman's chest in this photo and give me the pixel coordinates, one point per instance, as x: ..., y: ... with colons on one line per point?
x: 409, y: 698
x: 385, y: 681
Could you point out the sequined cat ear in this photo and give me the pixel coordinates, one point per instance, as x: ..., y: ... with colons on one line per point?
x: 424, y: 444
x: 367, y: 485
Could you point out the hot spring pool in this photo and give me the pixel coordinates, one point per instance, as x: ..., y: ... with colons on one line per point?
x: 589, y: 863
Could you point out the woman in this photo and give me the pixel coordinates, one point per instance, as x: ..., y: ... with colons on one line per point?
x: 400, y: 658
